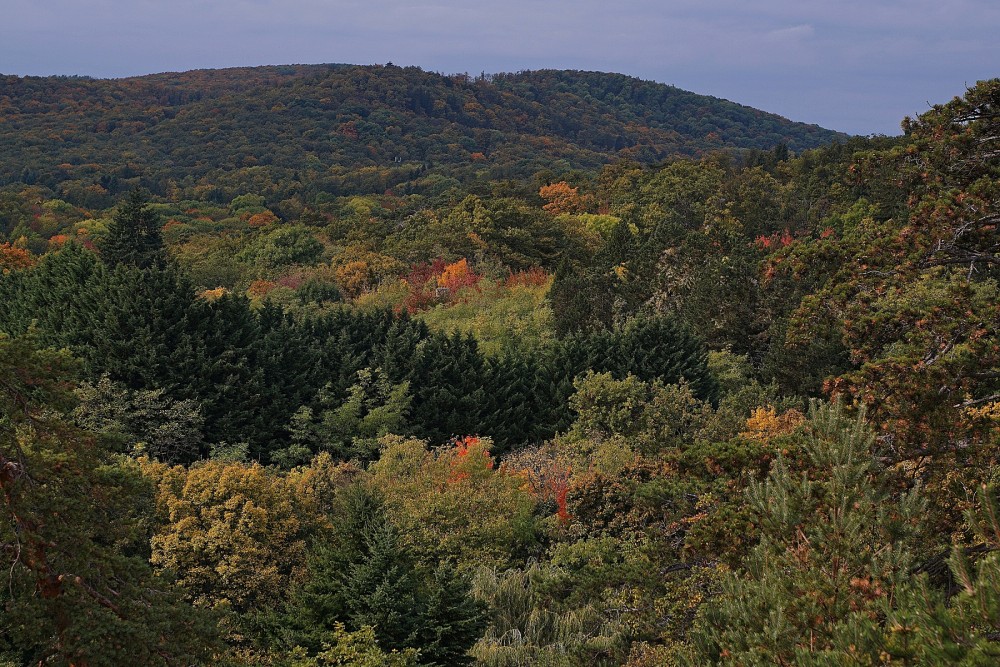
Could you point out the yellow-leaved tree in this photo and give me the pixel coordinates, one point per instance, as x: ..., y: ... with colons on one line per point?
x: 233, y: 535
x: 452, y: 502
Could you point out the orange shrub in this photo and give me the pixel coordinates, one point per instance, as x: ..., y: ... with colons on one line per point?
x: 212, y: 294
x: 458, y: 275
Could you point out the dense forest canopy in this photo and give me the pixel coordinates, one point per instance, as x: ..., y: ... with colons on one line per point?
x: 293, y: 132
x: 679, y: 407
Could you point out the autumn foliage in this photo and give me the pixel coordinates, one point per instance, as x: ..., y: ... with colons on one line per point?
x: 258, y: 289
x: 262, y: 219
x: 467, y: 449
x: 749, y: 414
x: 765, y: 424
x: 13, y: 258
x: 533, y: 277
x: 562, y: 198
x: 432, y: 282
x: 547, y: 477
x: 419, y: 282
x: 457, y: 275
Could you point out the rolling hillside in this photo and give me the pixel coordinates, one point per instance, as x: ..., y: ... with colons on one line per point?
x: 305, y: 129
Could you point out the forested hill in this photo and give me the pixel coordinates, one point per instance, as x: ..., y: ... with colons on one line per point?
x: 298, y: 130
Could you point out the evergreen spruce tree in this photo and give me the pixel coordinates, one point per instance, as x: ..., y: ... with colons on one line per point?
x: 143, y: 332
x: 380, y: 588
x: 134, y: 237
x: 657, y: 348
x: 452, y: 619
x: 319, y: 602
x: 570, y: 299
x: 510, y: 407
x: 229, y: 373
x: 619, y: 248
x: 395, y: 354
x: 448, y: 387
x: 364, y: 576
x: 49, y: 297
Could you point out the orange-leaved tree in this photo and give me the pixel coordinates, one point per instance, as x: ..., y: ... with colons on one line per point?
x: 13, y: 258
x: 563, y: 198
x: 458, y: 275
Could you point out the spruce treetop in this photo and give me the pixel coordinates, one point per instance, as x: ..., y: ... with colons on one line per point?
x: 134, y: 237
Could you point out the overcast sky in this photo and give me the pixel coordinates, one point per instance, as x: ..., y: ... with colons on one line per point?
x: 850, y: 65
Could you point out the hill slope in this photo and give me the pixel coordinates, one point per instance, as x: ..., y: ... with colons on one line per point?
x: 295, y: 129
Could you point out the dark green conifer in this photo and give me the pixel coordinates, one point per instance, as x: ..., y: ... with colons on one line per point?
x: 365, y: 576
x: 452, y: 619
x: 134, y: 237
